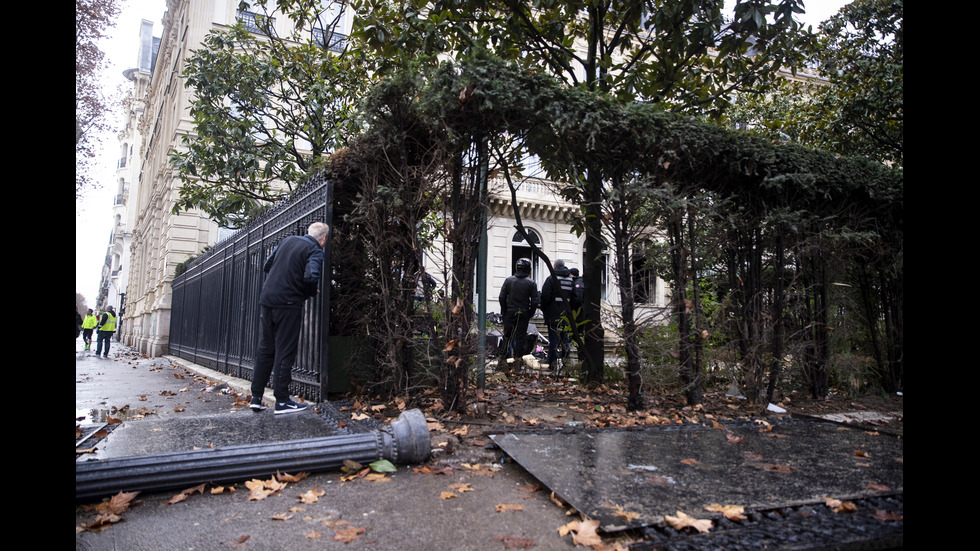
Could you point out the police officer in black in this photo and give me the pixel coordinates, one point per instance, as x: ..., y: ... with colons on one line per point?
x: 554, y: 305
x: 518, y: 301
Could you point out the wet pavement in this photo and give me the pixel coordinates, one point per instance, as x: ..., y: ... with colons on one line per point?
x: 633, y: 478
x: 128, y: 405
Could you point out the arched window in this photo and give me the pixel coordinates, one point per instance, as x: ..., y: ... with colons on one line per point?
x: 520, y: 248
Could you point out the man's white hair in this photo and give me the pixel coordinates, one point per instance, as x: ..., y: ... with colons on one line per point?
x: 318, y: 229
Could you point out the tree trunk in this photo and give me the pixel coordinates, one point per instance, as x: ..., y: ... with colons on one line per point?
x: 624, y: 276
x: 778, y: 313
x: 690, y: 379
x: 594, y: 333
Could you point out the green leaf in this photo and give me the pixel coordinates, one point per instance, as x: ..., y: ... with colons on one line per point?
x: 382, y: 466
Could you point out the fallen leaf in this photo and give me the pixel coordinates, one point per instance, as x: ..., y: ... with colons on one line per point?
x: 382, y: 466
x: 887, y: 516
x: 731, y: 512
x: 312, y: 496
x: 508, y: 507
x: 281, y: 516
x: 689, y: 461
x: 515, y: 542
x: 118, y: 504
x: 260, y: 489
x: 628, y: 516
x: 347, y: 535
x: 839, y: 506
x: 584, y: 532
x: 682, y: 521
x: 461, y: 487
x: 734, y: 439
x: 447, y: 495
x: 286, y: 477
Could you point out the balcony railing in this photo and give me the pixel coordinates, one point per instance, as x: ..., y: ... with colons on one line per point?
x: 256, y: 22
x: 332, y: 41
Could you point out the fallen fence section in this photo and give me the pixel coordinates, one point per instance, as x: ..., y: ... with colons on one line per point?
x: 404, y: 441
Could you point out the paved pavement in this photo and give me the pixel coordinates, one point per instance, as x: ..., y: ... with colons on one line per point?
x: 471, y: 499
x: 406, y: 510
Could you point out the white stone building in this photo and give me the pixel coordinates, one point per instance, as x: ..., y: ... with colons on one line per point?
x: 115, y: 271
x: 161, y: 239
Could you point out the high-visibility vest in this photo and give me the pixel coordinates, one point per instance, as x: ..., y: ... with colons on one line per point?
x: 90, y: 322
x: 110, y: 324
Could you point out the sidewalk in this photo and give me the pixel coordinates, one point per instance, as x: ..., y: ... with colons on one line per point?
x: 404, y: 510
x: 475, y: 497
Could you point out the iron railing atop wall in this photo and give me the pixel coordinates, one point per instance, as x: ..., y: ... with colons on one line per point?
x: 214, y: 317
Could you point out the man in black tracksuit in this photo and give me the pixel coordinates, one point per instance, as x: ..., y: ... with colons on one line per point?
x: 518, y: 301
x: 293, y: 275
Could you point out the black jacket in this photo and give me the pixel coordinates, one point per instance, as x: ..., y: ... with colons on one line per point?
x: 552, y: 302
x: 519, y: 293
x: 293, y: 272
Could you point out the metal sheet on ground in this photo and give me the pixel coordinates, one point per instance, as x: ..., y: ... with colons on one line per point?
x: 633, y: 478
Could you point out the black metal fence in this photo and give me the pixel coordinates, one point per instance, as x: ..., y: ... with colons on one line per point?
x: 214, y: 317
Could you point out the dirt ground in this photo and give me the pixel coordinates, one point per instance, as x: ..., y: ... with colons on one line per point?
x: 532, y: 401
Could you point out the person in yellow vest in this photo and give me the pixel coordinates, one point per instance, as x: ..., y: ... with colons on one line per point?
x: 88, y: 326
x: 106, y: 327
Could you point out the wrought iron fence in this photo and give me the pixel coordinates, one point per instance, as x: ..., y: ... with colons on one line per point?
x: 214, y: 316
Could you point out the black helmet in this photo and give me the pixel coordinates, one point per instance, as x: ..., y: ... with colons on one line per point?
x: 524, y: 265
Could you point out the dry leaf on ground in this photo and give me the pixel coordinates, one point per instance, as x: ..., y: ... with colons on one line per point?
x: 515, y: 542
x: 584, y: 532
x: 261, y: 489
x: 312, y: 496
x: 348, y: 534
x: 682, y: 521
x: 731, y: 512
x: 839, y: 506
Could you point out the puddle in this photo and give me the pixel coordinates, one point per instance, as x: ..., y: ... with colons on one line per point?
x: 97, y: 416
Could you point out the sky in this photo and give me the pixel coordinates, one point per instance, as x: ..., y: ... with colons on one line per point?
x: 93, y: 211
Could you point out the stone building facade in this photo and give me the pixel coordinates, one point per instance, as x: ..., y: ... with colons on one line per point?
x: 161, y: 239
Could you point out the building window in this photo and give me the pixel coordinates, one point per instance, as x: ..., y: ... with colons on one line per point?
x: 256, y: 22
x: 602, y: 264
x: 327, y: 26
x: 330, y: 40
x: 644, y: 275
x: 521, y: 249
